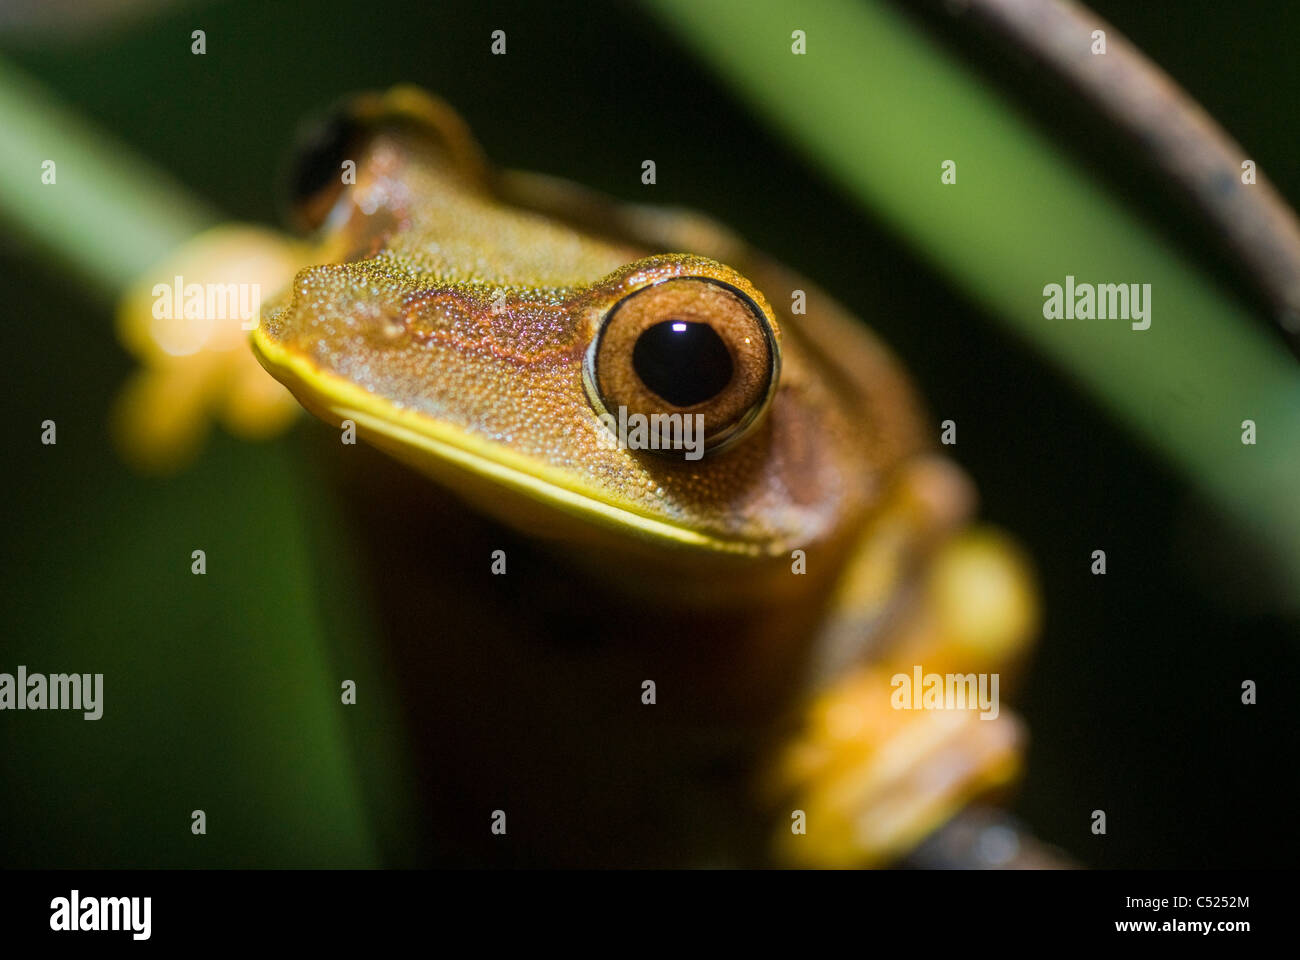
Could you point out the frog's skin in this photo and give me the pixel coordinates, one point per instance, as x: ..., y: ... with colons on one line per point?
x: 769, y: 589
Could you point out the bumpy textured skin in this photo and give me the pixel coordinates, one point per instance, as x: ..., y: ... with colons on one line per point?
x: 466, y: 311
x: 449, y: 320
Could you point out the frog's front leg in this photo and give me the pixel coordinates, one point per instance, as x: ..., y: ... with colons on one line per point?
x: 888, y: 748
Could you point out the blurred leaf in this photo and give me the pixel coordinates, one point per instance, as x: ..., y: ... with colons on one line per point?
x: 109, y: 214
x: 880, y: 107
x: 218, y: 691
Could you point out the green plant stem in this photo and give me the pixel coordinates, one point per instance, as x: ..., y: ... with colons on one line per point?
x: 108, y: 216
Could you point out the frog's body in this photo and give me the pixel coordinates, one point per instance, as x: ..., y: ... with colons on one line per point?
x: 778, y: 576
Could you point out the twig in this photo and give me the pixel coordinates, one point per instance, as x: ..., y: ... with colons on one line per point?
x: 1177, y: 135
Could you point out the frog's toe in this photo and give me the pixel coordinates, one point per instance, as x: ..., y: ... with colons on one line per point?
x: 875, y: 770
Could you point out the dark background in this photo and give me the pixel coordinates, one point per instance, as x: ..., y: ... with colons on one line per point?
x: 1133, y: 701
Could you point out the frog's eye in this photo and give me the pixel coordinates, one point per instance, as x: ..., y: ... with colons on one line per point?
x: 687, y: 346
x: 316, y: 168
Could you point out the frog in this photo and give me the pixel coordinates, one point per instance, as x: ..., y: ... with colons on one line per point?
x: 621, y: 652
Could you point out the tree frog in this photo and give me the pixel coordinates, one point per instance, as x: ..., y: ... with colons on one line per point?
x: 681, y: 653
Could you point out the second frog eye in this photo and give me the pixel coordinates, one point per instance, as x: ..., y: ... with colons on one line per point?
x: 315, y: 173
x: 688, y: 345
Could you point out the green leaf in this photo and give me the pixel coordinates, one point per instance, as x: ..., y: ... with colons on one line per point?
x: 880, y: 107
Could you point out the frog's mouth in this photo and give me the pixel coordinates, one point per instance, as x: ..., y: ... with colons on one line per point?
x: 455, y: 456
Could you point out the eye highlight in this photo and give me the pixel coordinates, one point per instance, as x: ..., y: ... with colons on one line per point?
x: 683, y: 361
x: 687, y: 345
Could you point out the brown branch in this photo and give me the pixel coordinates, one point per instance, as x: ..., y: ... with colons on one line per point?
x: 1180, y: 138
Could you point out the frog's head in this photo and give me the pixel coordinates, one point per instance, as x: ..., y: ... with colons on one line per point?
x: 569, y: 384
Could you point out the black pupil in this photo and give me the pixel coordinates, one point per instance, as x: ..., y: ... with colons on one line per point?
x: 684, y: 362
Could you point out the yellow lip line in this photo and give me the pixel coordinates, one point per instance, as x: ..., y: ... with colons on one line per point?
x: 351, y: 402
